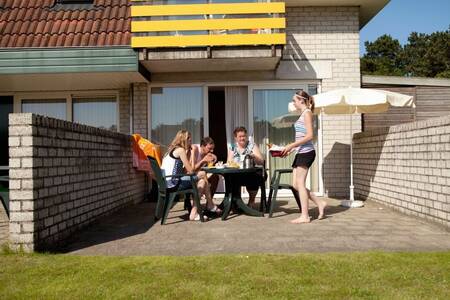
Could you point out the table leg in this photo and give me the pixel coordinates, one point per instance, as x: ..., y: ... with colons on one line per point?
x: 247, y: 210
x: 226, y: 206
x: 263, y: 201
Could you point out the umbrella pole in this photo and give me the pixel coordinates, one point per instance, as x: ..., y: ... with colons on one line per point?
x: 352, y: 187
x: 351, y: 202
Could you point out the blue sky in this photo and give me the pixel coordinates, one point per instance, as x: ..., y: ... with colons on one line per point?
x: 401, y: 17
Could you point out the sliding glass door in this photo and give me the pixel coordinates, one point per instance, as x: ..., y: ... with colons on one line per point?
x: 273, y: 124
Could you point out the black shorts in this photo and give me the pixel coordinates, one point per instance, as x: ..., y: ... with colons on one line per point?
x: 304, y: 159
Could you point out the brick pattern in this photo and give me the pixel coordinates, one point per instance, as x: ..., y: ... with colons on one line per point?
x: 124, y: 111
x: 330, y: 33
x: 140, y: 104
x: 64, y: 176
x: 407, y: 167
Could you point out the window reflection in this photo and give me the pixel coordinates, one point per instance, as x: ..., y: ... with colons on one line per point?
x: 176, y: 108
x: 97, y: 112
x: 54, y: 108
x: 273, y: 124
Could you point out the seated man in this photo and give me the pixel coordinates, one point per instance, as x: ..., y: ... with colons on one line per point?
x: 201, y: 156
x: 237, y: 152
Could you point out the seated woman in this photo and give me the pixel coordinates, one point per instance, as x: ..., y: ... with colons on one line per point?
x: 237, y: 152
x: 176, y: 162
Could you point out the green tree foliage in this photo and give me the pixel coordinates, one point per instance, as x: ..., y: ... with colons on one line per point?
x: 424, y: 55
x: 383, y: 57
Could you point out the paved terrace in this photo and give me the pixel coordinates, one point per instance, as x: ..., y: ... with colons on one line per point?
x: 4, y: 225
x: 131, y: 231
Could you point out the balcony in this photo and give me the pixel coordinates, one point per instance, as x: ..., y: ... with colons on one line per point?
x: 208, y: 37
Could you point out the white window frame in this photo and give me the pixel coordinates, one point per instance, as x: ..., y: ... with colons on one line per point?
x: 68, y: 96
x: 289, y: 85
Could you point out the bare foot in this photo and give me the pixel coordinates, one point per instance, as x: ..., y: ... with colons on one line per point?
x: 300, y: 220
x: 321, y: 206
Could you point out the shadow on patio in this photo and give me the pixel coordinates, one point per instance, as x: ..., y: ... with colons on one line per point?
x: 132, y: 231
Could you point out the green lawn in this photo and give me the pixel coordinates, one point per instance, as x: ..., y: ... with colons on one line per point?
x: 369, y: 275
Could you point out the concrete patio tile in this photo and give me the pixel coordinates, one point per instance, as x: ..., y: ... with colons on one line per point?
x: 373, y: 227
x: 4, y: 225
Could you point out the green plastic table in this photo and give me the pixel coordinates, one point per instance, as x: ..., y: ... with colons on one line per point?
x: 231, y: 175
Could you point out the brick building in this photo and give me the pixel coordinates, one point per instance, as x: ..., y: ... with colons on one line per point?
x: 205, y: 65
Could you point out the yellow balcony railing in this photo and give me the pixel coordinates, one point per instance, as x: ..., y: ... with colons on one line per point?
x: 196, y: 25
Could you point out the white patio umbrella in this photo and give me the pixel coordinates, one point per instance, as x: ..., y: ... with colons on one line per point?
x: 359, y: 101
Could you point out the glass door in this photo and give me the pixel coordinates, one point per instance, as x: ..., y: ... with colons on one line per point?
x: 273, y: 124
x: 173, y: 109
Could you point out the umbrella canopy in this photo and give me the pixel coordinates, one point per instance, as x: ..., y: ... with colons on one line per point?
x: 360, y: 101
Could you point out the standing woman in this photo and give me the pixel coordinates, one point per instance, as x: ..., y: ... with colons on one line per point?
x: 305, y: 155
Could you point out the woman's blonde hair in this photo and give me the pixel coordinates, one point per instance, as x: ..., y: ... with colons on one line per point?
x: 309, y: 100
x: 180, y: 140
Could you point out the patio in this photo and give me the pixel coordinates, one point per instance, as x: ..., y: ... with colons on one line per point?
x: 131, y: 231
x: 4, y: 226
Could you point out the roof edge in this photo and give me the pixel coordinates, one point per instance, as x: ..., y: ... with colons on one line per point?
x: 399, y: 80
x: 368, y: 8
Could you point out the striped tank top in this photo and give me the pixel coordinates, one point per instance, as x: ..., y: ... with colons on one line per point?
x: 300, y: 132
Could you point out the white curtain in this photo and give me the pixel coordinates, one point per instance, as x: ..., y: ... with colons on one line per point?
x: 236, y: 109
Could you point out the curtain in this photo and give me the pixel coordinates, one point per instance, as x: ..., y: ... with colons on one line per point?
x: 236, y: 109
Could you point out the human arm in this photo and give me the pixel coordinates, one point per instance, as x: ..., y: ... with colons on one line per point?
x: 308, y: 136
x: 181, y: 153
x: 257, y: 156
x: 205, y: 160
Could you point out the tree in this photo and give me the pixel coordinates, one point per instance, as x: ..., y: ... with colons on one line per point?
x: 424, y: 55
x: 383, y: 57
x: 428, y: 55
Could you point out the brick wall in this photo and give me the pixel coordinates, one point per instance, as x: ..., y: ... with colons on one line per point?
x: 140, y: 103
x: 124, y: 111
x: 63, y: 176
x: 406, y: 167
x: 331, y: 34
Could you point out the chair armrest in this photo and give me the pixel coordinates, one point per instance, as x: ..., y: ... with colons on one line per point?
x: 180, y: 175
x: 282, y: 171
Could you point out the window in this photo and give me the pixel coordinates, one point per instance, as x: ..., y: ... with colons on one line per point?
x: 175, y: 108
x: 55, y: 108
x: 97, y: 112
x: 272, y: 123
x: 100, y: 111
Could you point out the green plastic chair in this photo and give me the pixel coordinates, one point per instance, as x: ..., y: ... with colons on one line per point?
x: 275, y: 185
x: 167, y: 196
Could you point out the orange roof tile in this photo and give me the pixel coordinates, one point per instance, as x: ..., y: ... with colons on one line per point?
x: 43, y: 23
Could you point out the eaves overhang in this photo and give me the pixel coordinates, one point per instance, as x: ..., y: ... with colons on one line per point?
x: 51, y: 69
x: 368, y: 8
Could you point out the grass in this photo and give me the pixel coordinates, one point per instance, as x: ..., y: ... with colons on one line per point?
x: 369, y: 275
